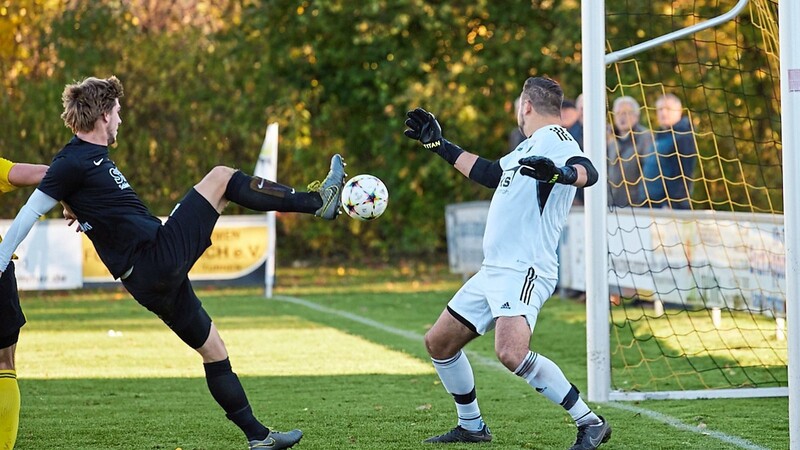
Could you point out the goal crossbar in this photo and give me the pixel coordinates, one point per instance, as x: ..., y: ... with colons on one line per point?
x: 677, y: 34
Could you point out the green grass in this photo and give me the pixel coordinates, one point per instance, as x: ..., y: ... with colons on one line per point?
x: 347, y: 385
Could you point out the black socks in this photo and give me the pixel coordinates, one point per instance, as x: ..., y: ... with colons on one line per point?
x: 263, y: 195
x: 228, y: 392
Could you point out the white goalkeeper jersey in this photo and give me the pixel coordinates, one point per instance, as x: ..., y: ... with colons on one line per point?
x: 526, y: 215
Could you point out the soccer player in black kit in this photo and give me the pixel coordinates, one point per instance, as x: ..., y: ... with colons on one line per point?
x: 151, y: 259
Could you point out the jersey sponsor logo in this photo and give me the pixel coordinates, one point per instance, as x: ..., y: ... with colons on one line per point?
x: 119, y: 178
x: 562, y: 134
x: 507, y: 177
x: 98, y: 162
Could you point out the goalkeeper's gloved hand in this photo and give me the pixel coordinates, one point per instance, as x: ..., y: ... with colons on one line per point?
x: 423, y: 127
x: 544, y: 169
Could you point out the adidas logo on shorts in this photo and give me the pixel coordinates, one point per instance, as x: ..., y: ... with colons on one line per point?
x: 505, y: 306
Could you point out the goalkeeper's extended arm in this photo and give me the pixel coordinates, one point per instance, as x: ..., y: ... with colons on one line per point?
x: 424, y: 127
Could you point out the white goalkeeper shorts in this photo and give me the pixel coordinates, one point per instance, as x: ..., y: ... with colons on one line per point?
x: 500, y: 292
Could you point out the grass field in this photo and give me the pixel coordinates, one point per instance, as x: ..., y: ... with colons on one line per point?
x: 338, y: 355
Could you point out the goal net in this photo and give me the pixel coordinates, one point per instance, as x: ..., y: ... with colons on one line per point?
x: 695, y: 230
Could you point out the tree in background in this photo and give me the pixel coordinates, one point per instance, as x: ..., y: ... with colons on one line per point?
x: 203, y: 78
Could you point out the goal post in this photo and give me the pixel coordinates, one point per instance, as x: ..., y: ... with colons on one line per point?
x: 594, y: 122
x: 789, y: 18
x: 703, y: 287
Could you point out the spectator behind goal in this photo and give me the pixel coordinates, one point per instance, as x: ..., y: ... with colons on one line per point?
x: 669, y: 164
x: 626, y: 140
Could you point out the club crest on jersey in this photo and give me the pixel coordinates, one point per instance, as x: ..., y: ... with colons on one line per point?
x: 119, y: 178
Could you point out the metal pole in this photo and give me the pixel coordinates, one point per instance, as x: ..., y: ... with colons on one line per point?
x: 594, y: 101
x: 789, y: 18
x: 669, y: 37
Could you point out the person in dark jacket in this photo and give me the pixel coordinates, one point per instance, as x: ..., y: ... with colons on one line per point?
x: 669, y: 164
x: 626, y: 141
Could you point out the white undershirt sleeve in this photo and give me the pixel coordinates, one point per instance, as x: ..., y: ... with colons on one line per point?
x: 38, y: 205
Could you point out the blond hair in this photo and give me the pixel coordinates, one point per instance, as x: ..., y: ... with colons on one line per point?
x: 86, y: 101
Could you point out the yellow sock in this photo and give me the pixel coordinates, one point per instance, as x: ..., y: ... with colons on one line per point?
x: 9, y: 409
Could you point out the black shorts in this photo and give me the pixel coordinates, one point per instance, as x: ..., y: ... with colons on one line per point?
x: 11, y: 317
x: 160, y: 281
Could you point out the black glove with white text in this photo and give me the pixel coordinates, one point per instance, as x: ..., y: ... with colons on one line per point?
x: 544, y: 169
x: 423, y: 127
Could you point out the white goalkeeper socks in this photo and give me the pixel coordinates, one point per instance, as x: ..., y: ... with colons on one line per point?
x: 548, y: 379
x: 457, y: 378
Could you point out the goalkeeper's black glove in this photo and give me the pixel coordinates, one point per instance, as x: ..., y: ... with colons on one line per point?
x: 544, y: 169
x: 423, y: 127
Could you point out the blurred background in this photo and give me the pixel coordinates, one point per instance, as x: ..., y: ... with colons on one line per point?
x: 203, y: 79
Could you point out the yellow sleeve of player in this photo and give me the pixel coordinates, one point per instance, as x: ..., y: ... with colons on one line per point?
x: 5, y: 168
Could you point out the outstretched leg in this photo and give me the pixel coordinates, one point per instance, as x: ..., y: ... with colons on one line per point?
x: 223, y: 184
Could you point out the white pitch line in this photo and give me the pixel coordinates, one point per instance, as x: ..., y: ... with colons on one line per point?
x: 673, y: 422
x: 493, y: 363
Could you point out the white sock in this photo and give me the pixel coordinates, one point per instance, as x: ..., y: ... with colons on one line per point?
x: 457, y: 378
x: 548, y: 379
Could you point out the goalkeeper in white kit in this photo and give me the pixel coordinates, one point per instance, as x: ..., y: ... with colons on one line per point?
x: 534, y: 188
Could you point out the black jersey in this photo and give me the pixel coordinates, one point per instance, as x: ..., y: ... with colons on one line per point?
x: 108, y: 209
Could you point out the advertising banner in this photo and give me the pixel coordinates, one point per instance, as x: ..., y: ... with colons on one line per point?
x: 239, y: 247
x: 53, y: 256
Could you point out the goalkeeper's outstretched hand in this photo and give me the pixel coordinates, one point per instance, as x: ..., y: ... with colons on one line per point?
x: 544, y: 169
x: 424, y: 127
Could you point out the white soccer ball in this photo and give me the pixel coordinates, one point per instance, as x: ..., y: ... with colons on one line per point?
x: 364, y: 197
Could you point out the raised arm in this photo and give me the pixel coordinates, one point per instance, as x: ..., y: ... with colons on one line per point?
x: 423, y: 127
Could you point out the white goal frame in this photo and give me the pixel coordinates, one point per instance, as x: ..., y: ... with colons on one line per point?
x: 595, y: 61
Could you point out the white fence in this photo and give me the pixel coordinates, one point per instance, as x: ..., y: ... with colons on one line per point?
x: 714, y: 259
